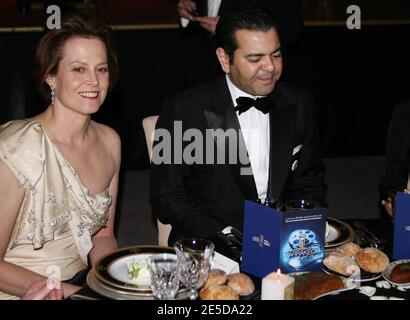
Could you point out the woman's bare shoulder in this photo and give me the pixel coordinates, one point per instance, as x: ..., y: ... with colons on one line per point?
x: 109, y: 138
x: 106, y: 132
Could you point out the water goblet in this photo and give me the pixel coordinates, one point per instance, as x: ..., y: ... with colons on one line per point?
x: 194, y: 257
x: 164, y: 271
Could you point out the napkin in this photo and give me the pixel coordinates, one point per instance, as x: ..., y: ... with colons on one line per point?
x: 221, y: 262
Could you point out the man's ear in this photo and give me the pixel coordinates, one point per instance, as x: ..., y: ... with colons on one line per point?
x: 223, y: 60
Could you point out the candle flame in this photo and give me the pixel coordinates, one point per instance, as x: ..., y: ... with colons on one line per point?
x: 278, y: 271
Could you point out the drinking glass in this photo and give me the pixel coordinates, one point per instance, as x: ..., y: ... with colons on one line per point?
x: 194, y: 257
x: 164, y: 271
x: 297, y: 205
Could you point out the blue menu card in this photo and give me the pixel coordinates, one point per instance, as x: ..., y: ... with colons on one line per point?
x: 401, y: 241
x: 292, y: 241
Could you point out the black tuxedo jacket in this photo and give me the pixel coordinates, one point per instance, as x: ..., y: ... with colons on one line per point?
x: 201, y: 199
x: 397, y: 161
x: 288, y: 14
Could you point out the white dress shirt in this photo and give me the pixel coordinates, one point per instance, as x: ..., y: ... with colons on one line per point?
x: 213, y: 8
x: 255, y: 130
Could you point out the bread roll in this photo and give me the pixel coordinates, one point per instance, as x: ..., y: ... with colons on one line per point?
x: 341, y: 265
x: 241, y: 283
x: 216, y: 276
x: 347, y: 249
x: 215, y: 292
x: 372, y: 260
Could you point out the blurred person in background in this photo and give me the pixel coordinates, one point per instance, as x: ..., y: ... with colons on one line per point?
x: 397, y: 160
x: 288, y: 14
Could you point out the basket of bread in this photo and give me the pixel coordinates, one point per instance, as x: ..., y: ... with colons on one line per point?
x: 221, y: 286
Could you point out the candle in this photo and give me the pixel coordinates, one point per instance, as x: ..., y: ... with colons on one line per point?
x: 277, y: 286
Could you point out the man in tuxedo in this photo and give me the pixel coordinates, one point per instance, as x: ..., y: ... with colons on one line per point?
x: 288, y: 14
x: 250, y: 115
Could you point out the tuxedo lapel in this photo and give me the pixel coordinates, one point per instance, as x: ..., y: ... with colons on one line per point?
x: 227, y: 5
x: 220, y: 115
x: 202, y: 7
x: 282, y: 121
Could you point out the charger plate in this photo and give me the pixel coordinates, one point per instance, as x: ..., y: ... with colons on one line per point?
x: 108, y: 291
x: 344, y: 233
x: 112, y: 269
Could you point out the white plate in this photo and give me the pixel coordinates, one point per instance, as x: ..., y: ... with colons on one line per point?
x: 364, y: 275
x: 105, y: 272
x: 331, y: 293
x: 386, y: 273
x: 119, y: 269
x: 333, y: 234
x: 339, y: 233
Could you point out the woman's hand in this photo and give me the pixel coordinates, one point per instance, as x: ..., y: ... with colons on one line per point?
x: 44, y: 290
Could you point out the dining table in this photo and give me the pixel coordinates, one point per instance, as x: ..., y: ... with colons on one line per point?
x: 374, y: 287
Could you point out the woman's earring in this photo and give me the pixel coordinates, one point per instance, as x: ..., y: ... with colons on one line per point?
x: 53, y: 93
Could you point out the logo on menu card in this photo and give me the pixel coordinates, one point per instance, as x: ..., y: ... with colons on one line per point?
x: 301, y: 249
x: 261, y: 241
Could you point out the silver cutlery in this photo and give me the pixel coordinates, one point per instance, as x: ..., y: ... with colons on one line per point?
x: 369, y: 234
x: 363, y: 240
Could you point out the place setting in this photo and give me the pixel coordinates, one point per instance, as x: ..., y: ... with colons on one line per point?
x: 126, y: 274
x: 154, y: 272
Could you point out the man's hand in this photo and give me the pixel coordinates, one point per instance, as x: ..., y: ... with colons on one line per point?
x: 185, y: 9
x: 40, y: 290
x: 208, y: 23
x: 388, y: 206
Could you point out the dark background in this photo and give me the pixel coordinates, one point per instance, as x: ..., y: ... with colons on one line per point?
x: 356, y: 77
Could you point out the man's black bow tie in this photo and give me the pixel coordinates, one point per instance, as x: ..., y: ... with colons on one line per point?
x: 245, y: 103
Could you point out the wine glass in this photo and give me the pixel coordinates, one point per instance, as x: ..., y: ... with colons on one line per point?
x: 164, y: 271
x: 194, y: 257
x: 298, y: 205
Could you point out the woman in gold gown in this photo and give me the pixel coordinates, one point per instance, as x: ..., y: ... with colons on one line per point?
x: 59, y: 170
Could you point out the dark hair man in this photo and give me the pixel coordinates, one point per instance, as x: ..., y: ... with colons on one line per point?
x: 275, y: 130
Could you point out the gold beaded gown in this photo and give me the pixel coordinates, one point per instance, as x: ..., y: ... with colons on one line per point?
x: 58, y: 215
